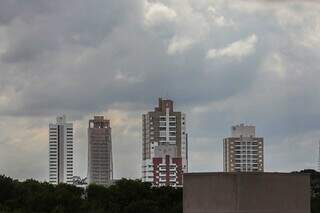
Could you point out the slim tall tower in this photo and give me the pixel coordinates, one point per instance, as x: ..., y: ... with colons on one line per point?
x: 243, y: 151
x: 61, y: 151
x: 319, y: 158
x: 164, y: 154
x: 100, y: 165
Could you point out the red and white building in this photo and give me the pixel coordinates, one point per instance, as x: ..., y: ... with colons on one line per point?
x: 165, y: 147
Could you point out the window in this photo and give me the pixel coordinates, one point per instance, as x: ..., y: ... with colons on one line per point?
x: 162, y: 123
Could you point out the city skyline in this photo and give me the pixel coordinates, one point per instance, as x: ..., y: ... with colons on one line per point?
x: 164, y: 147
x: 222, y: 62
x: 76, y: 173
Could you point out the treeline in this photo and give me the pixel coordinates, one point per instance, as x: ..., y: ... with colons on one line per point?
x: 126, y: 196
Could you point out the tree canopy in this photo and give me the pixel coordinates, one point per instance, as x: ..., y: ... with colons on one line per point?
x: 125, y: 196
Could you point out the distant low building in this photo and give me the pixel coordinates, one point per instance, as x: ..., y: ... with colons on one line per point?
x: 243, y: 151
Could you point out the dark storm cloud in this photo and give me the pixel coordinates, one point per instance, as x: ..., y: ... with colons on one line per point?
x: 15, y: 9
x: 118, y: 71
x: 68, y: 24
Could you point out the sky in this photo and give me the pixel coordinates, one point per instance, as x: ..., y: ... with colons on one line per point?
x: 223, y: 62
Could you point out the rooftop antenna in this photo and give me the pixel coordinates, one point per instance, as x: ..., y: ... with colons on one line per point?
x: 167, y: 95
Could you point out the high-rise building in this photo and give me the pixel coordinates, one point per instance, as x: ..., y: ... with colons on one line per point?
x: 243, y: 151
x: 100, y: 165
x: 164, y: 154
x: 61, y: 151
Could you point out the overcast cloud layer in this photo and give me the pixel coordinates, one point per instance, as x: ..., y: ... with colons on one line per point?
x: 223, y: 62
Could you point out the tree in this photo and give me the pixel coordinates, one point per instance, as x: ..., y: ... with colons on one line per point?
x: 125, y: 196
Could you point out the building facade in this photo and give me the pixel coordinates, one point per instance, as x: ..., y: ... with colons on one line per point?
x: 165, y: 146
x: 100, y: 164
x: 61, y: 151
x: 243, y: 151
x: 246, y: 192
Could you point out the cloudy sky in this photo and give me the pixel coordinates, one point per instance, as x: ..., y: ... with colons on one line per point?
x: 223, y: 62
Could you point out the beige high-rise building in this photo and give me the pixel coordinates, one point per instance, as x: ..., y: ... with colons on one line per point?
x: 243, y: 151
x: 164, y: 154
x: 100, y: 164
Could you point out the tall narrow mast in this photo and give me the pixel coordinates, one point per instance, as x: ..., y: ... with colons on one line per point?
x: 319, y: 158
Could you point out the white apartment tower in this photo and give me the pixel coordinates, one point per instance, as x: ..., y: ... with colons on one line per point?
x: 164, y: 154
x: 61, y: 151
x: 243, y: 151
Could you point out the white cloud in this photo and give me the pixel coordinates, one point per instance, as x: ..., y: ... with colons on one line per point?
x: 310, y: 37
x: 179, y: 45
x: 238, y: 49
x: 249, y: 7
x: 275, y: 65
x: 217, y: 19
x: 180, y: 24
x: 156, y: 13
x: 124, y: 77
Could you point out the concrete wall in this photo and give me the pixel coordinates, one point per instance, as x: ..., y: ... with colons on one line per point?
x: 246, y: 193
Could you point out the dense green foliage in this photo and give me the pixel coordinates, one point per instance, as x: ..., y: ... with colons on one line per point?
x: 126, y: 196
